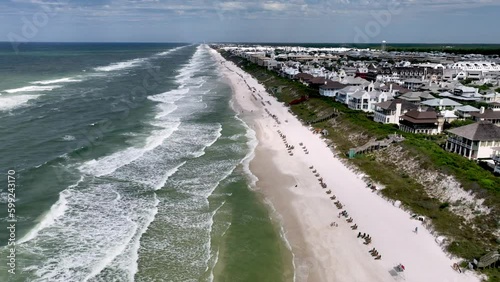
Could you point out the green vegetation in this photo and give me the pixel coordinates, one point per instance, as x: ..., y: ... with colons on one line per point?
x: 483, y: 87
x: 458, y: 123
x: 469, y: 240
x: 467, y: 81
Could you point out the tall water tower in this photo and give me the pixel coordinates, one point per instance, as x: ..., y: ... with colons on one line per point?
x: 383, y: 46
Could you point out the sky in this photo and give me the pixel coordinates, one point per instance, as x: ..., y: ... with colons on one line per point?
x: 318, y: 21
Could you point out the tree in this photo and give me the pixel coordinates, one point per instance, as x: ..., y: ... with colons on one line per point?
x: 467, y: 81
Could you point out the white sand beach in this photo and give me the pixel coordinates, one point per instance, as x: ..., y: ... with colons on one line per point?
x: 324, y: 252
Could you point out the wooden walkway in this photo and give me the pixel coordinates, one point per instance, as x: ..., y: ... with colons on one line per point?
x: 373, y: 144
x: 489, y: 259
x: 332, y: 115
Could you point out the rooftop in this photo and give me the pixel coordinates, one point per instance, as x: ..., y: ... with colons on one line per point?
x: 479, y: 131
x: 332, y: 85
x: 441, y: 102
x: 468, y: 108
x: 488, y: 114
x: 415, y: 116
x: 391, y: 105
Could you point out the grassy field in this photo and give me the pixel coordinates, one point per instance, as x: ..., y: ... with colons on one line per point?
x: 468, y: 241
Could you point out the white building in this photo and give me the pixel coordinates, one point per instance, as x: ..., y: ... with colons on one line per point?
x: 476, y: 70
x: 476, y: 66
x: 331, y: 88
x: 345, y: 93
x: 474, y: 141
x: 389, y: 112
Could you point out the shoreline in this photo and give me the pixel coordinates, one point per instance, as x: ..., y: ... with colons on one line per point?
x: 323, y: 252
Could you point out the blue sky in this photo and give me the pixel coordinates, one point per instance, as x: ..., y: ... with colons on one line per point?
x: 336, y: 21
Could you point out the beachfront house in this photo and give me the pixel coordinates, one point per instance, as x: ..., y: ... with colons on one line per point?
x: 289, y: 72
x: 316, y: 82
x: 421, y: 122
x: 395, y: 89
x: 356, y: 81
x: 331, y: 88
x: 494, y: 106
x: 474, y: 141
x: 491, y: 97
x: 344, y: 94
x: 359, y: 100
x: 442, y: 104
x: 492, y: 115
x: 389, y: 112
x: 305, y: 78
x: 416, y: 97
x: 413, y: 83
x: 466, y: 111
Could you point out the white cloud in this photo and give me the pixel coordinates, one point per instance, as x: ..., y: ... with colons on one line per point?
x: 255, y: 9
x: 274, y: 6
x: 231, y: 6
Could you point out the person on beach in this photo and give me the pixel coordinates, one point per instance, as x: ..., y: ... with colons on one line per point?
x: 457, y: 267
x: 416, y: 229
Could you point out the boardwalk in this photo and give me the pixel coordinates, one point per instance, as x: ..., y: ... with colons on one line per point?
x: 373, y: 144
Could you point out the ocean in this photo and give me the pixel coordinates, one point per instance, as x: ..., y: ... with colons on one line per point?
x: 130, y: 165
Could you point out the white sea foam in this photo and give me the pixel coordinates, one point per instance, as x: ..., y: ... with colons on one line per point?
x: 133, y: 268
x: 121, y: 65
x: 99, y: 228
x: 209, y: 244
x: 252, y: 145
x: 111, y: 255
x: 194, y: 65
x: 165, y: 109
x: 169, y: 51
x: 104, y: 223
x: 216, y: 137
x: 169, y: 97
x: 111, y: 163
x: 32, y: 89
x: 68, y: 138
x: 56, y: 211
x: 4, y: 197
x: 166, y: 106
x: 159, y: 184
x: 54, y: 81
x: 10, y: 102
x: 189, y: 218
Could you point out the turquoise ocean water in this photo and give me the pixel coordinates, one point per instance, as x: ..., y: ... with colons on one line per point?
x: 131, y: 165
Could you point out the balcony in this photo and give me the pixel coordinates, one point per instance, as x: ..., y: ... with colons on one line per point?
x: 462, y: 144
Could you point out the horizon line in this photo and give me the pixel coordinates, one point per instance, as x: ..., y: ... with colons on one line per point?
x: 247, y: 42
